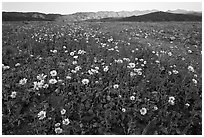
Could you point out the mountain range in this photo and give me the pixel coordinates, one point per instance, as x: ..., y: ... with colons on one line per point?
x: 170, y: 15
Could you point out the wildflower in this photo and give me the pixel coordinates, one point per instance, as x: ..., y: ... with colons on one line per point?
x: 42, y: 115
x: 52, y: 81
x: 85, y: 81
x: 195, y: 81
x: 132, y: 98
x: 169, y: 73
x: 23, y: 81
x: 97, y: 68
x: 145, y: 62
x: 131, y: 65
x: 132, y: 74
x: 155, y: 108
x: 123, y: 110
x: 171, y: 100
x: 71, y: 53
x: 53, y: 73
x: 63, y: 111
x: 5, y: 67
x: 157, y: 61
x: 190, y: 68
x: 54, y: 51
x: 189, y: 51
x: 57, y: 124
x: 143, y: 111
x: 66, y: 121
x: 141, y: 60
x: 105, y: 69
x: 68, y: 77
x: 41, y: 77
x: 75, y: 57
x: 115, y: 86
x: 187, y: 104
x: 13, y: 94
x: 58, y: 130
x: 170, y: 54
x: 45, y: 86
x: 175, y: 71
x: 74, y: 62
x: 17, y: 64
x: 38, y: 85
x: 73, y: 71
x: 139, y: 73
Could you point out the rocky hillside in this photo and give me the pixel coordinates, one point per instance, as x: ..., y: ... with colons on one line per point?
x: 29, y: 16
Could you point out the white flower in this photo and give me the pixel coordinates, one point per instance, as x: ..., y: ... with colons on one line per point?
x: 106, y: 69
x: 90, y: 72
x: 23, y: 81
x: 85, y: 81
x: 132, y: 98
x: 52, y: 81
x: 17, y: 64
x: 139, y: 73
x: 145, y: 62
x: 155, y: 108
x: 190, y: 68
x: 143, y: 111
x: 74, y: 62
x: 13, y: 94
x: 68, y: 77
x: 195, y: 81
x: 97, y: 68
x: 170, y: 54
x: 171, y: 100
x: 175, y: 71
x: 132, y: 74
x: 54, y: 51
x: 57, y: 124
x: 131, y: 65
x: 73, y: 71
x: 187, y: 104
x: 63, y: 111
x: 53, y: 73
x: 41, y: 77
x: 189, y: 51
x: 45, y: 86
x: 5, y: 67
x: 66, y: 121
x: 42, y: 115
x: 71, y: 53
x: 123, y: 110
x: 58, y: 130
x: 115, y: 86
x: 38, y: 85
x: 75, y: 57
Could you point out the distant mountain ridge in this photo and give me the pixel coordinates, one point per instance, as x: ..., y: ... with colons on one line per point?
x: 153, y: 17
x: 82, y: 16
x: 28, y: 16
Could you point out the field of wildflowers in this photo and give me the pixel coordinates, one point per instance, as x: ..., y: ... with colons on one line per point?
x: 101, y: 78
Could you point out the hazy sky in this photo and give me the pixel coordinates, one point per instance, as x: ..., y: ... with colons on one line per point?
x: 72, y: 7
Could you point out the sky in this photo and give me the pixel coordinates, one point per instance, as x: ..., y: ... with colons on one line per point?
x: 72, y: 7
